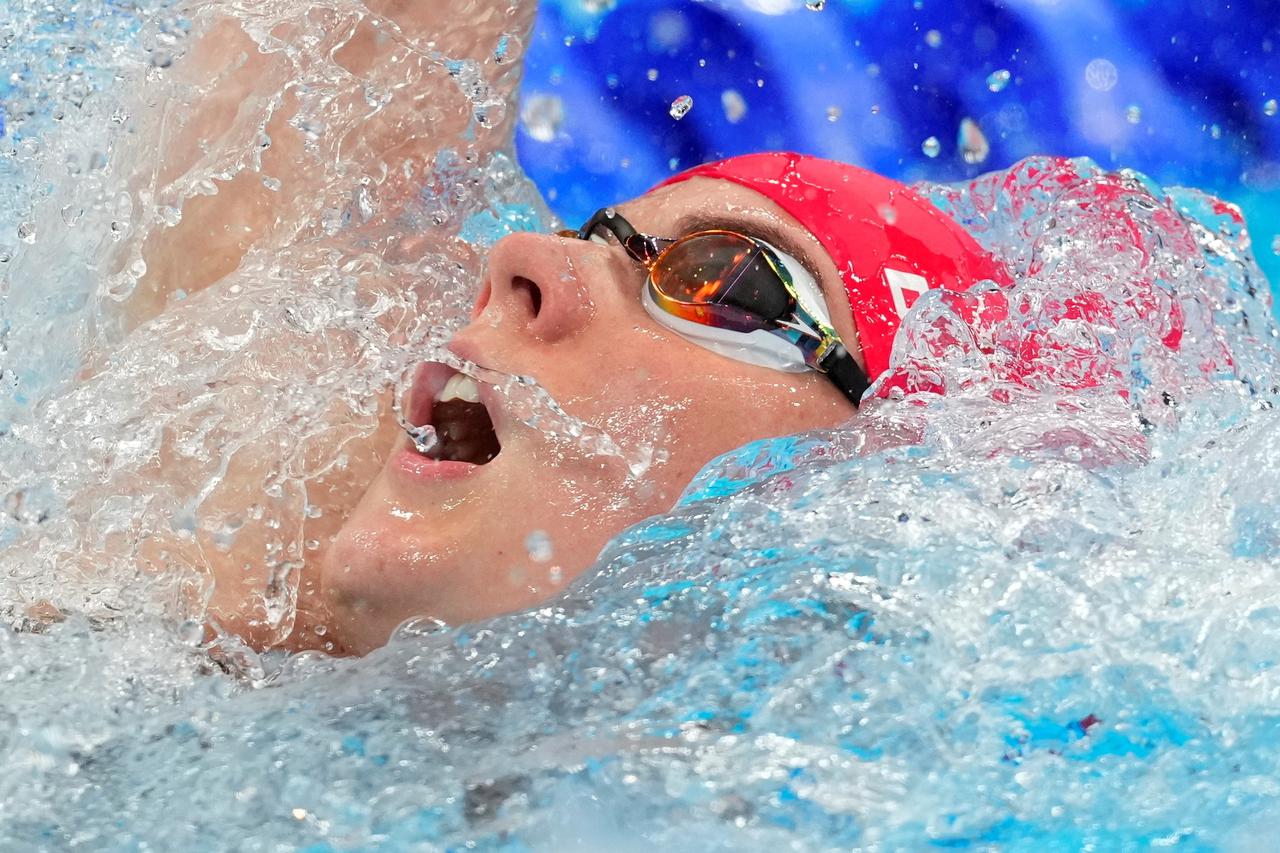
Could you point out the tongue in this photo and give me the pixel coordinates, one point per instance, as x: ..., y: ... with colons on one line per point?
x: 464, y: 431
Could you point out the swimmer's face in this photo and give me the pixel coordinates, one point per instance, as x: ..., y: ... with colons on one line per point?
x: 460, y: 542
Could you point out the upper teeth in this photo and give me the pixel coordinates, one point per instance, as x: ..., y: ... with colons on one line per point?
x: 459, y: 387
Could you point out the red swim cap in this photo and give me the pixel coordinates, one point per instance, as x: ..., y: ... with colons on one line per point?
x: 889, y: 244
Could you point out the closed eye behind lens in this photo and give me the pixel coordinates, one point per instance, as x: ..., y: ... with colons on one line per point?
x: 722, y: 269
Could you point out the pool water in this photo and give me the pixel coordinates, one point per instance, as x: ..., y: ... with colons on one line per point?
x: 1025, y: 599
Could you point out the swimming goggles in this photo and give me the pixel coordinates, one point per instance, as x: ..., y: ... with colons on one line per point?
x: 736, y: 296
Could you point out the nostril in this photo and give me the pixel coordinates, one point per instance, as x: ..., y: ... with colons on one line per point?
x: 530, y: 292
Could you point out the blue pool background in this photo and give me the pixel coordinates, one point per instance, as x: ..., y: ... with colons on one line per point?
x: 868, y: 81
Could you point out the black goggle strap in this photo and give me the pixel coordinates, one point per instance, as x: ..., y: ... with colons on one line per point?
x: 640, y: 247
x: 845, y: 373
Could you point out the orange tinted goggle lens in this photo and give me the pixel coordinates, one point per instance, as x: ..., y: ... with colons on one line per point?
x: 719, y: 278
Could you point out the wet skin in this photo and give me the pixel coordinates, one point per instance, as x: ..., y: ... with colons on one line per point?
x: 450, y: 542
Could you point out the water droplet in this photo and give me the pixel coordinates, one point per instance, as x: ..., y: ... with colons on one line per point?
x: 542, y: 116
x: 931, y: 147
x: 933, y: 38
x: 27, y: 232
x: 191, y: 632
x: 733, y: 104
x: 815, y: 5
x: 833, y: 113
x: 972, y: 143
x: 1271, y: 107
x: 1215, y: 131
x: 1101, y: 74
x: 652, y: 74
x: 997, y: 80
x: 568, y: 41
x: 680, y: 107
x: 597, y: 7
x: 702, y: 63
x: 538, y: 546
x: 1133, y: 114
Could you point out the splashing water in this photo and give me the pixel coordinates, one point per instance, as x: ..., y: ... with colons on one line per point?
x: 1025, y: 599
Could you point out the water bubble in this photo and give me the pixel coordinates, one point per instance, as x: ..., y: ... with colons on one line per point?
x: 191, y: 632
x: 1215, y: 131
x: 733, y: 104
x: 1275, y: 244
x: 599, y: 7
x: 652, y: 74
x: 1101, y: 74
x: 538, y: 546
x: 542, y: 116
x: 1133, y: 114
x: 997, y: 80
x: 931, y: 147
x: 933, y: 38
x: 680, y: 107
x: 1271, y: 107
x: 815, y: 5
x: 833, y: 113
x: 972, y: 143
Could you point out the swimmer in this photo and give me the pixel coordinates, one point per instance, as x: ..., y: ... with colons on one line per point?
x: 750, y: 298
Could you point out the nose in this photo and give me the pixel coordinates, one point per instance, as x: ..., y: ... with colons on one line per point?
x: 536, y: 283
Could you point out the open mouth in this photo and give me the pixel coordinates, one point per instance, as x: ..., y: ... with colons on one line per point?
x: 450, y: 403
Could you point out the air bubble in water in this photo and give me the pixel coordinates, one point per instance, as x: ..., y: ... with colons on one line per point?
x: 538, y: 546
x: 931, y: 147
x: 27, y: 232
x: 972, y: 143
x: 1275, y: 244
x: 815, y: 5
x: 680, y: 107
x: 733, y: 104
x: 1271, y: 107
x: 542, y: 116
x: 833, y: 113
x: 1133, y: 114
x: 933, y: 38
x: 651, y: 74
x: 997, y: 80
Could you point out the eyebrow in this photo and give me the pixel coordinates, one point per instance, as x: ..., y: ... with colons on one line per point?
x: 765, y: 231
